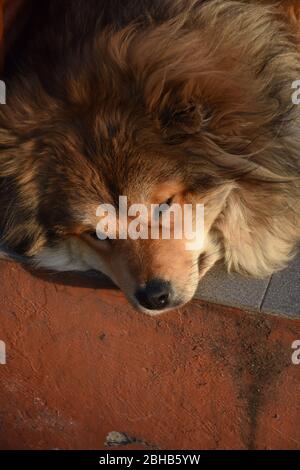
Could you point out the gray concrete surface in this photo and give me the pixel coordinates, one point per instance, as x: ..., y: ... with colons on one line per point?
x: 279, y: 294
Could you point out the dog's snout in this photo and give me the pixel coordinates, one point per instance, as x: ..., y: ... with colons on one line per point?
x: 156, y: 295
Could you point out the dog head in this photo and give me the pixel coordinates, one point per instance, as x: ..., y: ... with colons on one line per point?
x: 174, y: 113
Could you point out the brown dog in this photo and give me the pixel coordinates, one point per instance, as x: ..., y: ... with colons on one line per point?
x: 167, y: 101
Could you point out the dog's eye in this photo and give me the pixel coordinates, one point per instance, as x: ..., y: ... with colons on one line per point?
x: 168, y: 202
x: 102, y: 242
x: 165, y: 206
x: 93, y: 235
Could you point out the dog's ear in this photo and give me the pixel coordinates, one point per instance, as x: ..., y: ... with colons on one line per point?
x: 178, y: 119
x: 192, y: 80
x: 187, y: 80
x: 174, y: 95
x: 178, y: 104
x: 173, y: 71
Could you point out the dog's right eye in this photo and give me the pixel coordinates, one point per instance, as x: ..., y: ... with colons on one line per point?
x: 93, y: 235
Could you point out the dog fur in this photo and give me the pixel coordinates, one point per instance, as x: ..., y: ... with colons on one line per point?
x: 181, y: 99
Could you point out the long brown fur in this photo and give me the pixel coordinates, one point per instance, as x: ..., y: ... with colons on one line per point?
x: 107, y: 100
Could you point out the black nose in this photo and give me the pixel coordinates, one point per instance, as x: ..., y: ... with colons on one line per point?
x: 156, y: 295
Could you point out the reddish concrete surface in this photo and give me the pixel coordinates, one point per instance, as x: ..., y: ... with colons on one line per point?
x: 82, y: 363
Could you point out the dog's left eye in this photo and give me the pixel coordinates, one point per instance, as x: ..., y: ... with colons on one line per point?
x: 169, y: 201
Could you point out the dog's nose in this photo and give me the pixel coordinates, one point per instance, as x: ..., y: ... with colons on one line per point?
x: 156, y: 295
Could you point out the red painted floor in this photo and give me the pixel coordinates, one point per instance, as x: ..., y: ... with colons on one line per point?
x: 82, y: 363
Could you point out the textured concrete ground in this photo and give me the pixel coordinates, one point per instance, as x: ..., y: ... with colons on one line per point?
x: 84, y: 370
x: 279, y: 293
